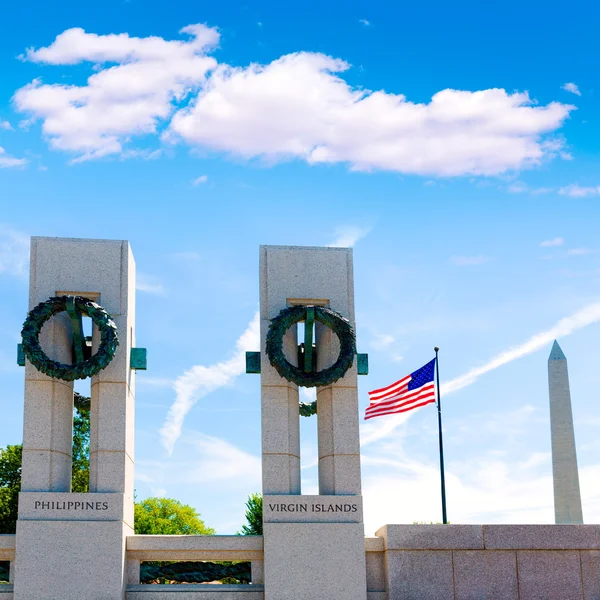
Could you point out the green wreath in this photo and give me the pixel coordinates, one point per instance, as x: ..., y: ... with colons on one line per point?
x: 338, y: 324
x: 39, y: 359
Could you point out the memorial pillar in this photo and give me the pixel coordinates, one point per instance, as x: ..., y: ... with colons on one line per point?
x: 314, y: 545
x: 71, y: 546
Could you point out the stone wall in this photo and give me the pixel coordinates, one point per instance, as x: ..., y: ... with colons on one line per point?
x: 491, y: 562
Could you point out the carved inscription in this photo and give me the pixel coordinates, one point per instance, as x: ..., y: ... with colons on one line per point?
x: 309, y: 507
x: 68, y: 505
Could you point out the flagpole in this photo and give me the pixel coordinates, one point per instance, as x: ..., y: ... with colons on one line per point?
x: 439, y: 407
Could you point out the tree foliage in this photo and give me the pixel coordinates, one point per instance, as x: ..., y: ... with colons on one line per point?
x: 10, y: 485
x: 165, y: 516
x: 254, y: 516
x: 10, y: 465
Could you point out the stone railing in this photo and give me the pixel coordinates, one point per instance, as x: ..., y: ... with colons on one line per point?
x: 7, y: 554
x: 503, y: 562
x: 142, y: 548
x: 375, y: 553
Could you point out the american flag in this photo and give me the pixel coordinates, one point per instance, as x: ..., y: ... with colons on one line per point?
x: 414, y: 390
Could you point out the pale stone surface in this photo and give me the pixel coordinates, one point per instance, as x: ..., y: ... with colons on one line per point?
x: 51, y: 506
x: 312, y: 509
x: 432, y: 537
x: 375, y: 562
x: 51, y: 556
x: 482, y: 575
x: 45, y: 470
x: 549, y: 575
x: 195, y: 547
x: 340, y: 474
x: 590, y: 571
x: 52, y: 553
x: 567, y: 496
x: 280, y: 474
x: 133, y: 571
x: 307, y: 273
x: 195, y: 592
x: 542, y: 537
x: 281, y: 429
x: 307, y: 561
x: 420, y: 575
x: 257, y: 568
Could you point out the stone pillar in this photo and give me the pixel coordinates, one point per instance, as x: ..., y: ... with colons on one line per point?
x: 567, y: 497
x: 279, y: 397
x: 314, y: 545
x: 72, y: 545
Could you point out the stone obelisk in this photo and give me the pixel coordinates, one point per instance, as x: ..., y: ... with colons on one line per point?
x: 567, y: 497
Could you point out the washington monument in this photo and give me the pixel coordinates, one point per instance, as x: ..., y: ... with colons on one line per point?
x: 567, y: 497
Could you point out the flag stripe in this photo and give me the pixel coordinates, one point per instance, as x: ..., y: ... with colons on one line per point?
x: 376, y: 393
x: 375, y: 408
x: 396, y: 411
x: 404, y: 396
x: 412, y: 391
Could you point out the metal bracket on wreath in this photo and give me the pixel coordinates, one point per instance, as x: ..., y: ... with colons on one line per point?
x: 82, y: 345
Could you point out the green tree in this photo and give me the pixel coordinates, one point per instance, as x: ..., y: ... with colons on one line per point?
x: 10, y: 465
x: 254, y: 516
x: 80, y: 477
x: 165, y: 516
x: 10, y: 485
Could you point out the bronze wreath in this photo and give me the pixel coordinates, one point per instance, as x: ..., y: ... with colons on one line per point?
x: 39, y: 359
x: 338, y: 324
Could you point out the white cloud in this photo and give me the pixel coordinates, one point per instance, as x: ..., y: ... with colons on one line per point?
x: 346, y: 236
x: 119, y: 101
x: 6, y: 126
x: 7, y: 161
x: 14, y: 252
x: 468, y: 261
x: 582, y: 318
x: 382, y: 341
x: 299, y: 107
x: 577, y: 191
x: 199, y: 180
x: 579, y: 251
x: 518, y: 187
x: 557, y: 241
x: 148, y: 284
x: 365, y: 22
x: 571, y: 87
x: 200, y: 381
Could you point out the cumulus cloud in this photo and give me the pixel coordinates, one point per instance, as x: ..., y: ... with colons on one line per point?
x: 200, y: 380
x: 120, y: 100
x: 7, y: 161
x: 577, y: 191
x: 571, y: 87
x: 468, y: 261
x: 365, y: 22
x: 6, y: 126
x: 296, y: 107
x: 14, y: 252
x: 346, y: 236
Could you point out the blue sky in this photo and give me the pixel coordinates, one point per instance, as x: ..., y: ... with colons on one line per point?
x: 455, y: 147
